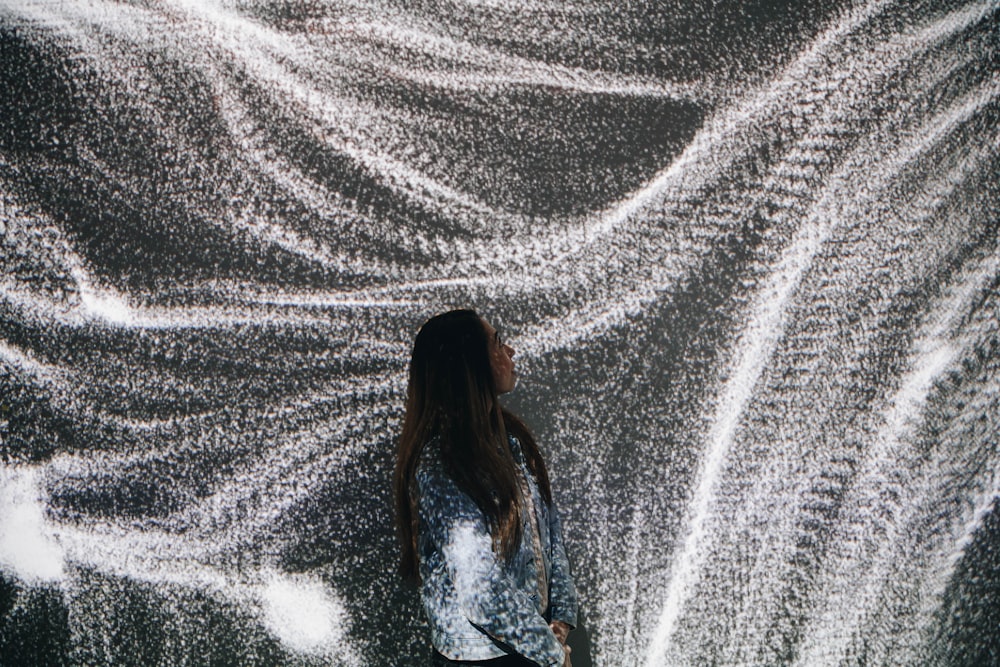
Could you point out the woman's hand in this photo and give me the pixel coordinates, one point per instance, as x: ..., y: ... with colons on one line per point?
x: 560, y: 630
x: 566, y: 660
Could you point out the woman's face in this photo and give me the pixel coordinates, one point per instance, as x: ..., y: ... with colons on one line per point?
x: 501, y: 361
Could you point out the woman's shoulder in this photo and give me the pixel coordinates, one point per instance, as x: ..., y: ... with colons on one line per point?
x: 516, y: 450
x: 434, y: 485
x: 430, y: 462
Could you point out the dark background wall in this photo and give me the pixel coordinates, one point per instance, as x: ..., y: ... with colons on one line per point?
x: 747, y: 253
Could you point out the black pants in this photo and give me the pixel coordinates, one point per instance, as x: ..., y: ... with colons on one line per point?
x: 507, y: 661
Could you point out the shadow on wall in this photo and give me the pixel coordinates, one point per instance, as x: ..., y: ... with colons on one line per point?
x: 579, y: 642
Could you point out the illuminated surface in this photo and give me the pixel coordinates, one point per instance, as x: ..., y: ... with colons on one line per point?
x: 747, y: 255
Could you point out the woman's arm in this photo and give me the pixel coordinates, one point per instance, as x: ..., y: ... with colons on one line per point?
x: 486, y: 595
x: 563, y: 601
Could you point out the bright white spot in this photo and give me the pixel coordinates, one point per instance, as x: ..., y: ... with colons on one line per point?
x: 469, y: 550
x: 105, y: 306
x: 27, y: 548
x: 303, y: 614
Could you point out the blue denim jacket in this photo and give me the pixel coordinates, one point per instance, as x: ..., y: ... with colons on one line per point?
x: 478, y: 606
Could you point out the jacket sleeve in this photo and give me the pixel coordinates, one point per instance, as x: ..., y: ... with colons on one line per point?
x: 563, y: 601
x: 486, y: 595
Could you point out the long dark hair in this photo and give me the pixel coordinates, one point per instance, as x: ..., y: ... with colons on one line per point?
x: 452, y: 398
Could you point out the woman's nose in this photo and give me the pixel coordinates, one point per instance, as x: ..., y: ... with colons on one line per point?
x: 510, y: 350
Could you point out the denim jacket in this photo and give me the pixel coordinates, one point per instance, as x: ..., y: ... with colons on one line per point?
x: 480, y: 607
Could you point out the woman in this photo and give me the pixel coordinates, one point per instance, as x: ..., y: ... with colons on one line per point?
x: 478, y: 526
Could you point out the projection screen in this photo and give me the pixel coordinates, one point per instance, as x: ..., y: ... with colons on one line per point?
x: 747, y: 254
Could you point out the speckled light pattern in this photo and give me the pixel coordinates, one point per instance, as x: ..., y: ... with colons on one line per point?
x: 747, y: 253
